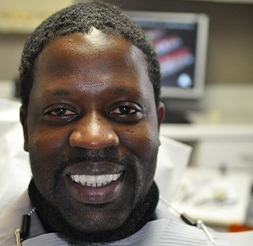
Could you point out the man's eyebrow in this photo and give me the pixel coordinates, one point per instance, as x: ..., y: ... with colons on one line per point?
x: 115, y: 90
x: 60, y: 92
x: 122, y: 90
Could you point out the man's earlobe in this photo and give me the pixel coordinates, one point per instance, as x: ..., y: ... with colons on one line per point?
x: 23, y: 120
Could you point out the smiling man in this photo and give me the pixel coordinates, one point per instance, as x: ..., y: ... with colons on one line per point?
x: 91, y: 129
x: 90, y: 86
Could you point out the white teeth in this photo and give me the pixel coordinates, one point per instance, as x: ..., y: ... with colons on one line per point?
x: 76, y: 178
x: 108, y: 177
x: 101, y: 179
x: 81, y: 179
x: 95, y: 180
x: 90, y: 179
x: 114, y: 177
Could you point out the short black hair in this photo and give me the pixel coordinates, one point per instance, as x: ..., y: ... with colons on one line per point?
x: 81, y: 17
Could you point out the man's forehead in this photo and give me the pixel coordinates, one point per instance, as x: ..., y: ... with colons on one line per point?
x: 93, y: 44
x: 92, y: 47
x: 100, y: 58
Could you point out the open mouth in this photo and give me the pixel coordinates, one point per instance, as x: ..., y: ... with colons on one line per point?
x: 96, y: 189
x: 95, y: 180
x: 95, y: 183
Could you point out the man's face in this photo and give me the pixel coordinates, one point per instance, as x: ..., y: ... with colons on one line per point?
x: 92, y: 129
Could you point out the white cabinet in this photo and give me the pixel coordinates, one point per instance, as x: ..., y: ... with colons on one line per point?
x: 215, y: 145
x: 233, y: 153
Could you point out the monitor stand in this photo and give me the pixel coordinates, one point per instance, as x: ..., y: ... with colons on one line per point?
x: 176, y: 117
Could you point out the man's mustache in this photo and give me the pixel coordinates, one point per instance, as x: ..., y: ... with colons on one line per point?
x: 85, y: 155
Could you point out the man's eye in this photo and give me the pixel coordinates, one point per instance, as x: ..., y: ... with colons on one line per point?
x: 61, y: 112
x: 124, y: 110
x: 127, y: 113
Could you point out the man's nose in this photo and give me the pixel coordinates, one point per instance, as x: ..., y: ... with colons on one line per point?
x: 93, y: 132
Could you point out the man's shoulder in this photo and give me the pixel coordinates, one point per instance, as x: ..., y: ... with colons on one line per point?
x: 173, y: 231
x: 10, y: 218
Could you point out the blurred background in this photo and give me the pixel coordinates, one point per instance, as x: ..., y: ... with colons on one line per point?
x: 230, y: 51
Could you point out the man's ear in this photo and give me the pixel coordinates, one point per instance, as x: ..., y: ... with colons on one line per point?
x: 160, y: 113
x: 23, y: 120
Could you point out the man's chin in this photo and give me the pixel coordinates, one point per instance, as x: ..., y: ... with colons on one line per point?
x: 97, y: 224
x: 97, y: 218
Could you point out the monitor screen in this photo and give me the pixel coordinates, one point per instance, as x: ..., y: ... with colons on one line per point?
x: 180, y: 41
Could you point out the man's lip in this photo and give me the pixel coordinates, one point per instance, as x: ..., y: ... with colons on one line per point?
x: 93, y: 168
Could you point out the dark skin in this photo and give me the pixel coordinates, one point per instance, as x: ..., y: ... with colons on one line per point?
x: 92, y: 112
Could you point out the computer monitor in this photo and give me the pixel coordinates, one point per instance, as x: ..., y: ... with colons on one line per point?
x: 180, y: 40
